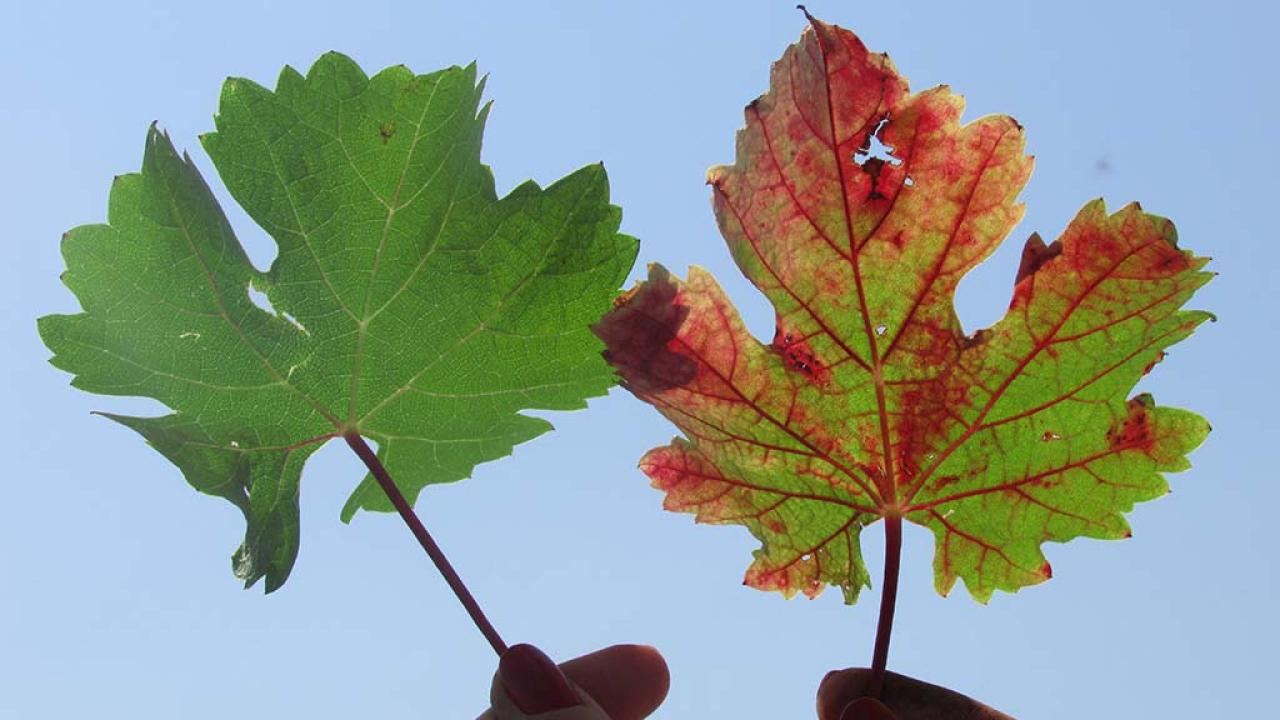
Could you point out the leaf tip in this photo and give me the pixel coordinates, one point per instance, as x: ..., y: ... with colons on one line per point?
x: 349, y: 509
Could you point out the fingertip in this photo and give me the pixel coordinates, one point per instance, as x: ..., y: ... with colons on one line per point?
x: 628, y: 681
x: 650, y: 663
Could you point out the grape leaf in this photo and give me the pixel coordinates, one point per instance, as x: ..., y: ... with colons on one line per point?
x: 856, y: 206
x: 411, y: 304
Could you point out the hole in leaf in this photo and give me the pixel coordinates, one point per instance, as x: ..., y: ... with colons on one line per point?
x: 881, y: 329
x: 909, y: 181
x: 259, y: 298
x: 1050, y: 436
x: 294, y: 321
x: 873, y: 149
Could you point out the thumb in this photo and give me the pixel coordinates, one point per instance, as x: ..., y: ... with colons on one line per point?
x: 843, y: 696
x: 529, y: 685
x: 867, y: 708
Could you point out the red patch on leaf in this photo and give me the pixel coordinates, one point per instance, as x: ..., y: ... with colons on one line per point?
x: 1135, y: 430
x: 639, y: 332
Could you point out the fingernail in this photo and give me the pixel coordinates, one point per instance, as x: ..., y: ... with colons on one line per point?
x: 865, y: 708
x: 533, y: 682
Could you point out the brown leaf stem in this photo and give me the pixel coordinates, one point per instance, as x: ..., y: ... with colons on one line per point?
x: 419, y: 531
x: 888, y: 601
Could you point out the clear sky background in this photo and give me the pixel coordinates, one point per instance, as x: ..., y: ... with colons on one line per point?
x: 116, y: 597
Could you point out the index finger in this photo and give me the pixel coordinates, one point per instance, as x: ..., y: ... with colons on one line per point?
x: 621, y: 682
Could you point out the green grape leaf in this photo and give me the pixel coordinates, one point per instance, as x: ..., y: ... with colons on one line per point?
x: 410, y: 304
x: 856, y: 206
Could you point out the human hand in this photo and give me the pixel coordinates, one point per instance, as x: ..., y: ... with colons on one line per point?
x: 843, y: 696
x: 622, y: 682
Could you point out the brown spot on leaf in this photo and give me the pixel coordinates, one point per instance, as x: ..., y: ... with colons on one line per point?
x: 946, y: 480
x: 1159, y: 356
x: 873, y: 155
x: 977, y: 338
x: 873, y: 167
x: 1035, y: 254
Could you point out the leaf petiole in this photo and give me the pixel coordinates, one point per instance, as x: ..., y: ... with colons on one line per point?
x: 428, y: 544
x: 888, y: 601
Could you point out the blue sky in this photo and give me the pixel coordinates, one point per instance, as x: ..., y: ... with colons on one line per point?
x: 117, y: 599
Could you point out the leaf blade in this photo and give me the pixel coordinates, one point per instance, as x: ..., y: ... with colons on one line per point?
x: 870, y: 376
x: 408, y: 302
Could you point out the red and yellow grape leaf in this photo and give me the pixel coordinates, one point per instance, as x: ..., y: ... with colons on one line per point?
x: 870, y: 401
